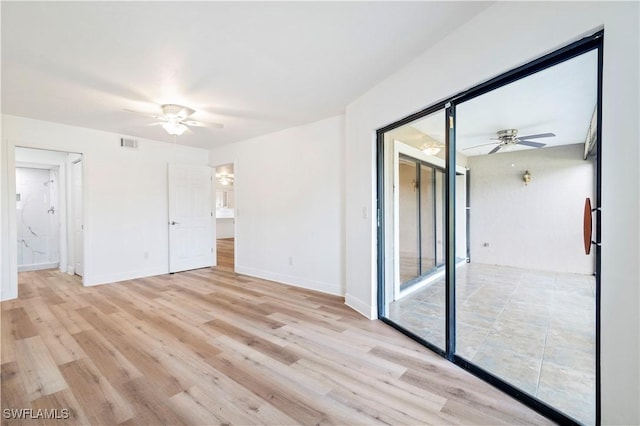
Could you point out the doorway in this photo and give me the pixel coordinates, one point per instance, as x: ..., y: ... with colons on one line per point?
x: 517, y: 302
x: 225, y: 216
x: 37, y: 213
x: 49, y: 210
x: 190, y: 217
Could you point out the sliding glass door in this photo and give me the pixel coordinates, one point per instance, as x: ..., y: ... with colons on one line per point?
x: 414, y: 209
x: 525, y: 304
x: 483, y: 256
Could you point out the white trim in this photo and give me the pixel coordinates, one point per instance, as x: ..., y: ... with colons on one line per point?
x: 11, y: 290
x: 39, y: 266
x: 360, y: 306
x: 125, y: 276
x: 323, y: 287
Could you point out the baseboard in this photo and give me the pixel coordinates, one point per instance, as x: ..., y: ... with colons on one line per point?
x: 124, y: 276
x: 8, y: 294
x: 71, y: 270
x: 361, y: 307
x: 323, y: 287
x: 38, y: 267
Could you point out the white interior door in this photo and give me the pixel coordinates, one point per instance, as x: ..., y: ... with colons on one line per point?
x: 190, y: 218
x: 78, y: 219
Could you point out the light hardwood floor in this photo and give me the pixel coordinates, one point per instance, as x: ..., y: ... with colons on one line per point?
x: 212, y: 347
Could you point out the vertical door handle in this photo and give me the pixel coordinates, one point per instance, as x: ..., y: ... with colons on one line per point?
x: 587, y: 226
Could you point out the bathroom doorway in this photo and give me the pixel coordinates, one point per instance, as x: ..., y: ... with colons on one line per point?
x: 49, y: 224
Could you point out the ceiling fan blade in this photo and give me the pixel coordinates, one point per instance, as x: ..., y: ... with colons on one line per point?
x: 478, y: 146
x: 531, y: 143
x: 541, y: 135
x: 146, y: 114
x: 202, y: 124
x: 496, y: 149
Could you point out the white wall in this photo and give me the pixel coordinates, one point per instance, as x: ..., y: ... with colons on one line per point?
x: 474, y: 53
x: 225, y: 227
x: 289, y: 203
x: 538, y: 226
x: 125, y: 198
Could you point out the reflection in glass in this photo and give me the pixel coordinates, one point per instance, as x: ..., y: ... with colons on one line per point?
x: 525, y: 304
x: 408, y: 220
x: 427, y: 218
x: 414, y: 208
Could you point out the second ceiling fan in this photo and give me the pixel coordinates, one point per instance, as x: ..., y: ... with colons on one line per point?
x: 509, y: 137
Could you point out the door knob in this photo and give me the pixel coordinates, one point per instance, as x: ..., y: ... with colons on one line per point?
x: 173, y: 222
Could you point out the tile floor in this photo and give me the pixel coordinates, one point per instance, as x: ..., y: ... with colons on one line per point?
x: 409, y: 266
x: 534, y: 329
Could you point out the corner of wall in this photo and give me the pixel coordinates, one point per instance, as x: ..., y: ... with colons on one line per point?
x: 361, y: 307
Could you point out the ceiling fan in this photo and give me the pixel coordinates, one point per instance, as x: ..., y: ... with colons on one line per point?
x: 175, y: 119
x: 225, y: 178
x: 431, y: 148
x: 509, y: 137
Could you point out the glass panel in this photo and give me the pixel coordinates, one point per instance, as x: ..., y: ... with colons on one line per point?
x: 427, y: 218
x: 408, y: 220
x: 525, y: 303
x: 414, y: 295
x: 440, y: 215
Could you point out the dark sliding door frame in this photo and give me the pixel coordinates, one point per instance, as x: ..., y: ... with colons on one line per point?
x: 593, y: 42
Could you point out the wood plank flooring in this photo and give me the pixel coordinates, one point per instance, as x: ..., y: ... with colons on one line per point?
x: 210, y: 347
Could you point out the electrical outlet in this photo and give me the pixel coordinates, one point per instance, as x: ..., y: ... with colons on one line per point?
x: 146, y: 255
x: 290, y: 261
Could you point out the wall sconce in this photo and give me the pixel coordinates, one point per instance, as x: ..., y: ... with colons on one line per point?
x: 526, y: 177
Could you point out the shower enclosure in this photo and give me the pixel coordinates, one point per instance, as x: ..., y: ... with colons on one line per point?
x: 38, y: 219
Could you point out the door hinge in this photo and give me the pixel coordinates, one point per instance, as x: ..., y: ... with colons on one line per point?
x: 211, y: 214
x: 211, y: 249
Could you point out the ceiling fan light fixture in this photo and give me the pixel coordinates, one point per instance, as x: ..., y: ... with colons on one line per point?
x: 177, y: 112
x: 431, y: 150
x: 175, y: 119
x: 174, y: 128
x: 225, y: 178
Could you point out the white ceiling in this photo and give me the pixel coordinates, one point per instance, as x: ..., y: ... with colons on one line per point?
x: 559, y: 100
x: 257, y: 67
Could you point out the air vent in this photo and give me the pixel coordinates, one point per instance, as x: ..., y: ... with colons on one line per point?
x: 129, y: 143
